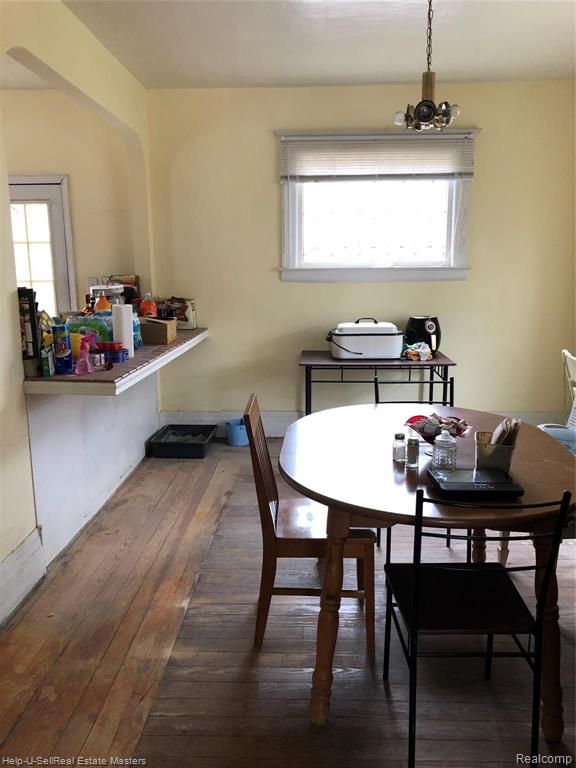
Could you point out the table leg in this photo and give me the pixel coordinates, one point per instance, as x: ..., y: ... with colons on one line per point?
x: 444, y: 376
x: 337, y: 530
x: 431, y: 385
x: 552, y: 720
x: 307, y: 389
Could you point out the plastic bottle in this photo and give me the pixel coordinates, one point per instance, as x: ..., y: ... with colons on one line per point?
x: 102, y: 304
x: 84, y: 363
x: 412, y: 453
x: 444, y: 451
x: 399, y: 448
x: 148, y: 306
x: 88, y: 309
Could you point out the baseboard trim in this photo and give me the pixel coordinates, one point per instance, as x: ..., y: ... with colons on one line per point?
x: 20, y: 571
x: 275, y: 422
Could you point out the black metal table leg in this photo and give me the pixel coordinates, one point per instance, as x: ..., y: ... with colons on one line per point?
x: 444, y: 385
x: 308, y: 389
x: 431, y: 385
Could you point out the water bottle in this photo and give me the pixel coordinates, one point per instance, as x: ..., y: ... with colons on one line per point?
x: 444, y: 451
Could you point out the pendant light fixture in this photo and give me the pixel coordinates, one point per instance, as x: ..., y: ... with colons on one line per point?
x: 426, y: 114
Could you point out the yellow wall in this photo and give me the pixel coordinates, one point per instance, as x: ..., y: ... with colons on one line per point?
x: 50, y: 40
x: 17, y: 517
x: 46, y: 132
x: 218, y: 238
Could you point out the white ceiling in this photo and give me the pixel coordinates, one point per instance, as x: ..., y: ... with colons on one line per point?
x: 211, y: 43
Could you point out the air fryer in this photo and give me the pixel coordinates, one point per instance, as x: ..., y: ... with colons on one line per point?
x: 424, y: 328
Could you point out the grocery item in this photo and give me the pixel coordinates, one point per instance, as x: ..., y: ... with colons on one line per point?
x: 148, y: 306
x: 102, y: 304
x: 62, y: 350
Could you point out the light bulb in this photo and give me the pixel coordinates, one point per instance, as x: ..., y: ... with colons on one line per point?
x: 399, y: 118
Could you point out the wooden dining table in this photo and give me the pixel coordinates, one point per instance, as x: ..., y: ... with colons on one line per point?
x: 342, y: 457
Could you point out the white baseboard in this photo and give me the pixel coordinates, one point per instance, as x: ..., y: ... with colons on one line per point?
x: 275, y: 422
x: 20, y: 572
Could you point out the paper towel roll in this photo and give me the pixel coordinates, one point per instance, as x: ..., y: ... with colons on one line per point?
x: 122, y: 326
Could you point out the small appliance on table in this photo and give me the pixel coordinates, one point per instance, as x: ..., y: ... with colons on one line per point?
x: 366, y: 338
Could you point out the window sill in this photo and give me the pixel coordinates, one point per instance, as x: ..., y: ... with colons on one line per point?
x: 372, y: 274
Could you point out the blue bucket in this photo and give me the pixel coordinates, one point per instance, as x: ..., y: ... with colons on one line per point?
x: 236, y: 432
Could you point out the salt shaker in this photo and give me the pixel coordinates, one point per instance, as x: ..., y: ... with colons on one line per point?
x: 412, y: 453
x: 444, y: 451
x: 399, y: 448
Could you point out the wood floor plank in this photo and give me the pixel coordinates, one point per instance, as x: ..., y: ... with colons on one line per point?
x: 128, y: 703
x: 37, y: 638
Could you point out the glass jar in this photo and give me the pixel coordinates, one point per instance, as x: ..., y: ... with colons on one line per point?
x: 444, y: 451
x: 412, y: 452
x: 399, y: 448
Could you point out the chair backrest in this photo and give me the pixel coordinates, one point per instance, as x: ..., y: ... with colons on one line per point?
x: 266, y: 488
x: 570, y: 371
x: 554, y: 537
x: 571, y: 423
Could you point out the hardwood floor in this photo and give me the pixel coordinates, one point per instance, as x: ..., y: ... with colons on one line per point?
x: 139, y: 643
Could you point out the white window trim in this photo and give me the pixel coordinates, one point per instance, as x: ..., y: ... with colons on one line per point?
x: 293, y: 271
x: 57, y: 193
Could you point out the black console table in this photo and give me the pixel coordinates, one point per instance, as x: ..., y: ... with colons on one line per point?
x: 438, y: 369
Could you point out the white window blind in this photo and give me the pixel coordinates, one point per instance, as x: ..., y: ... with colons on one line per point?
x: 349, y: 157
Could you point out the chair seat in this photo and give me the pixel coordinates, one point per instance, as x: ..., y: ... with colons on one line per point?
x: 462, y: 598
x: 306, y: 519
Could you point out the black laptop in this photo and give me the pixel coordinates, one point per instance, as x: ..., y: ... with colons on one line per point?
x: 475, y: 484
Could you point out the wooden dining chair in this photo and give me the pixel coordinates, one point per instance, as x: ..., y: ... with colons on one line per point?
x: 438, y: 598
x: 297, y: 528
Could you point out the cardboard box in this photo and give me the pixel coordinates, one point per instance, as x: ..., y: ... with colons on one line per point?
x: 158, y: 331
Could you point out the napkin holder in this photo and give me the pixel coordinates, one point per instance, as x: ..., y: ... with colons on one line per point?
x: 489, y: 455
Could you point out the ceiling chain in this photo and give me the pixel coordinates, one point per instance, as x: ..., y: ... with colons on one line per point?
x: 429, y: 36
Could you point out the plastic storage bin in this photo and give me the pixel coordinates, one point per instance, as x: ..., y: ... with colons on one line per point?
x: 181, y: 441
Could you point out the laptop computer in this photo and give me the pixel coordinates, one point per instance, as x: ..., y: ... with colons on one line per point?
x: 471, y: 484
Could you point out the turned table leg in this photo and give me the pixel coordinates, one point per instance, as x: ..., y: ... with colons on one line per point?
x: 551, y: 720
x: 337, y: 530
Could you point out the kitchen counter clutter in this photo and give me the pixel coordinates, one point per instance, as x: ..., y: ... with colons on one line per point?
x: 147, y: 360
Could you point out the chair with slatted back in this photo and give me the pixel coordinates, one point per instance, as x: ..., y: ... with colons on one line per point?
x: 297, y: 528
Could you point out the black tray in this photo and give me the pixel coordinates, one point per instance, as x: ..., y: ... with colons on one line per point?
x: 181, y: 441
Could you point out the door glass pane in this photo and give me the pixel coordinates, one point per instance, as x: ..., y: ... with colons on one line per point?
x: 45, y: 297
x: 37, y: 222
x: 22, y: 264
x: 41, y: 261
x: 18, y: 222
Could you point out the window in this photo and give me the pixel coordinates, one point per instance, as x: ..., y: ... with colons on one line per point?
x: 42, y: 240
x: 363, y: 207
